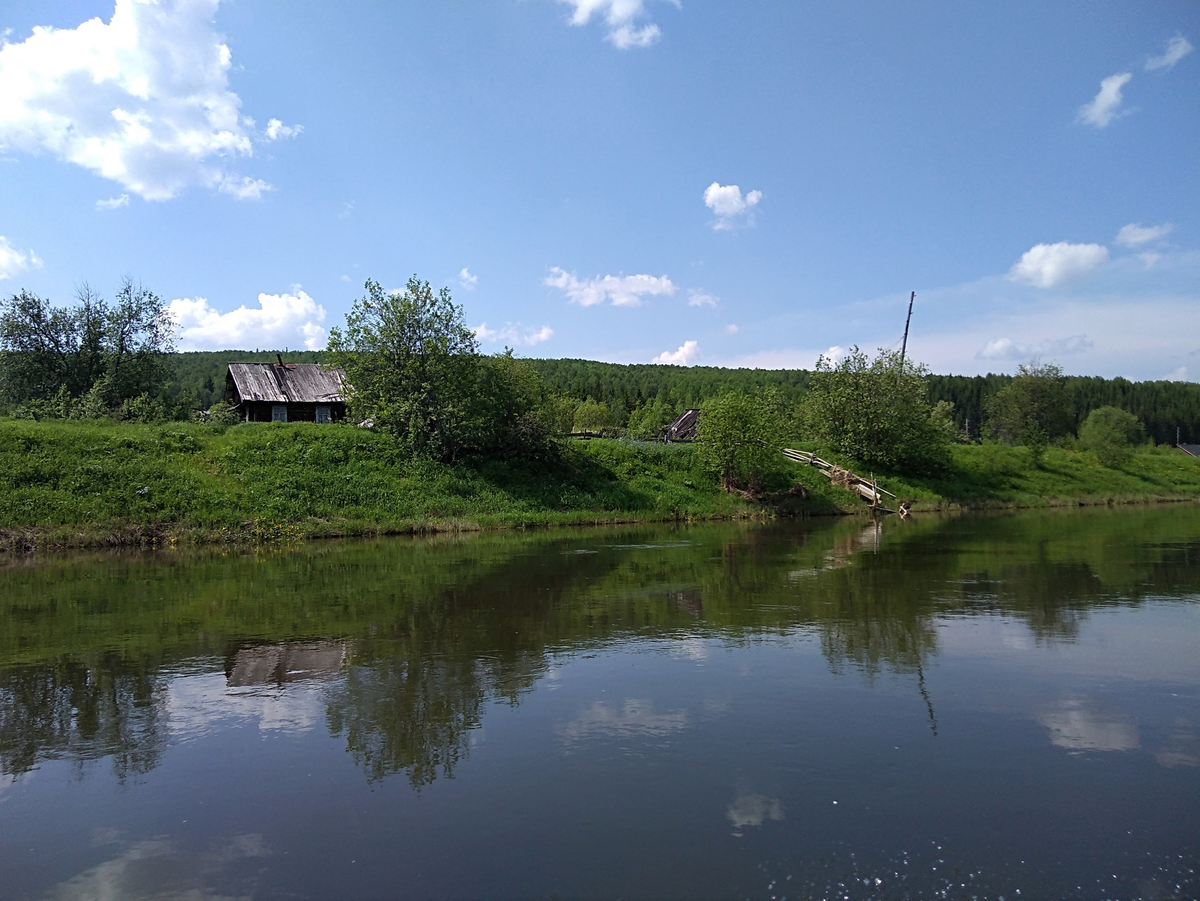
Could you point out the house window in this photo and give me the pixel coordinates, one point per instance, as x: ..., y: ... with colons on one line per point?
x: 279, y: 413
x: 322, y: 414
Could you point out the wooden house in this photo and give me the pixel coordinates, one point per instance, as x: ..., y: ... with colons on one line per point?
x: 286, y: 392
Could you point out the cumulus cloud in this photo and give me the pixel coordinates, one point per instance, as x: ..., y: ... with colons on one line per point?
x: 1133, y: 235
x: 621, y: 17
x: 13, y: 261
x: 697, y: 298
x: 729, y: 205
x: 1050, y: 265
x: 277, y: 130
x: 512, y: 335
x: 684, y: 356
x: 1007, y: 349
x: 1106, y: 105
x: 1177, y: 48
x: 467, y: 280
x: 143, y: 100
x: 113, y: 203
x: 279, y: 320
x: 621, y: 290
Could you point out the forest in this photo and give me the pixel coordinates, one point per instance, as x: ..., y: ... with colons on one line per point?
x: 1162, y: 406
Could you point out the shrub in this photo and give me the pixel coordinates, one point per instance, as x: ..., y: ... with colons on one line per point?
x: 1111, y: 434
x: 876, y: 412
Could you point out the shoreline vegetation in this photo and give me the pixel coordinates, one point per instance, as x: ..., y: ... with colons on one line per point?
x: 102, y: 483
x: 106, y: 448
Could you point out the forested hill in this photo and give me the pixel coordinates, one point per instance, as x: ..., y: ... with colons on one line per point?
x: 1161, y: 406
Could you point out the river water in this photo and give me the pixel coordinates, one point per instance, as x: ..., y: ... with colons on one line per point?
x: 978, y: 707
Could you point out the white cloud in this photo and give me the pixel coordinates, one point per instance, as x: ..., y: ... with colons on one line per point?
x: 1177, y: 48
x: 697, y: 298
x: 729, y: 205
x: 244, y: 188
x: 684, y: 356
x: 1133, y: 235
x: 279, y: 320
x: 1050, y: 265
x: 731, y: 329
x: 621, y: 290
x: 143, y: 100
x: 620, y: 16
x: 1007, y: 349
x: 467, y: 280
x: 512, y: 335
x: 113, y: 203
x: 13, y: 261
x: 277, y: 130
x: 1106, y: 105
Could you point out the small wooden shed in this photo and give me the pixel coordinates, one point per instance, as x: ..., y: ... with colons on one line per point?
x: 286, y: 392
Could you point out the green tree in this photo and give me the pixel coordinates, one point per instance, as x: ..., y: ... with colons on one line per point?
x: 591, y: 416
x: 1033, y: 409
x: 735, y: 435
x: 876, y: 411
x: 413, y: 366
x: 1111, y: 434
x: 108, y: 353
x: 648, y: 421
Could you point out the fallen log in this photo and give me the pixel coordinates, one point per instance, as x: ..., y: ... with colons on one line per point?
x: 867, y: 489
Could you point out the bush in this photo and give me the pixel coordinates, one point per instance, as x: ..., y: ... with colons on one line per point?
x: 591, y: 416
x: 1111, y: 434
x: 735, y: 435
x: 876, y: 412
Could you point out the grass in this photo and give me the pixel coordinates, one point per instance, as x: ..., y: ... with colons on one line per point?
x: 77, y: 483
x: 993, y: 475
x: 106, y: 483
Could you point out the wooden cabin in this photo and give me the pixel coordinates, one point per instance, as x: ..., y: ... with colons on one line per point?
x: 286, y: 392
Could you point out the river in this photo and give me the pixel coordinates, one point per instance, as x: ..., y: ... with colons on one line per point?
x: 985, y: 707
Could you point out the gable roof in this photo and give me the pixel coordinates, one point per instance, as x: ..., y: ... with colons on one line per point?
x: 280, y: 383
x: 684, y: 427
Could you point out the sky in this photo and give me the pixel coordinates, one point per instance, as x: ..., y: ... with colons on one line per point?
x: 700, y: 183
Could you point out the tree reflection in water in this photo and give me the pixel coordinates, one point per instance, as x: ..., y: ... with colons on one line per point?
x: 413, y: 638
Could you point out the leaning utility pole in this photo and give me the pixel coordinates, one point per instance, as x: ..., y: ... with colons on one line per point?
x: 904, y: 346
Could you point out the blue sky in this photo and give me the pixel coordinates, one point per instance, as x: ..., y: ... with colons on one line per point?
x: 626, y: 180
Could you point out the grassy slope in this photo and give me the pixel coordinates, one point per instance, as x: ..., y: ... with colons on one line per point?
x: 102, y: 482
x: 996, y: 475
x: 96, y: 481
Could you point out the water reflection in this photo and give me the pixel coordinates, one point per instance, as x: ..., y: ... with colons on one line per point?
x: 399, y: 647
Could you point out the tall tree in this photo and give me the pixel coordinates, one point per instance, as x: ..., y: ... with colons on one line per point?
x: 115, y: 352
x: 413, y: 366
x: 1033, y: 409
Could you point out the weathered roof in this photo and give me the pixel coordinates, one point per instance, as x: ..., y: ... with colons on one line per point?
x: 684, y: 427
x: 302, y: 383
x: 1193, y: 449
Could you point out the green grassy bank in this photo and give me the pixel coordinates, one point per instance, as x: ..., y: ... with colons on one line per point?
x: 81, y: 483
x: 104, y: 483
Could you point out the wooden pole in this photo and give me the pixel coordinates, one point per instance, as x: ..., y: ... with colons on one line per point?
x: 904, y: 345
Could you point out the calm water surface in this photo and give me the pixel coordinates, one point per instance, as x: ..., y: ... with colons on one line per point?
x: 1003, y: 707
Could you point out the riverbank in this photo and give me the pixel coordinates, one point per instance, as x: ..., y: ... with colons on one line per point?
x: 102, y: 483
x: 78, y: 484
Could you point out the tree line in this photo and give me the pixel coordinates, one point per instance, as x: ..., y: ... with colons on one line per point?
x: 417, y: 372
